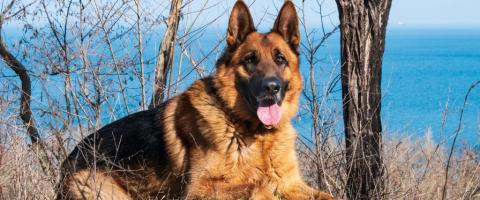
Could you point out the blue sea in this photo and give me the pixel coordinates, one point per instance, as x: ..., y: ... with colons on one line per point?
x: 426, y: 75
x: 425, y: 70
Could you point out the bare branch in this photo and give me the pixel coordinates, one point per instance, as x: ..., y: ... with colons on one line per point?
x: 165, y: 54
x: 457, y: 131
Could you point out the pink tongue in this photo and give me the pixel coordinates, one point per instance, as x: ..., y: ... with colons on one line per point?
x: 269, y: 115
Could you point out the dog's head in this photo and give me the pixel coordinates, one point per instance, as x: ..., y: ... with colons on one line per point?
x: 259, y: 73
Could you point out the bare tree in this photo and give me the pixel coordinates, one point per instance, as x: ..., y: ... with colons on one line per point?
x: 316, y: 95
x: 140, y: 52
x: 363, y: 26
x: 166, y: 54
x: 26, y: 91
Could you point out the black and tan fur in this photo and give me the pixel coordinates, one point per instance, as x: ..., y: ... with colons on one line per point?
x: 206, y: 143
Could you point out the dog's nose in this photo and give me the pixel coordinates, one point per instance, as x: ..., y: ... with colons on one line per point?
x: 271, y: 85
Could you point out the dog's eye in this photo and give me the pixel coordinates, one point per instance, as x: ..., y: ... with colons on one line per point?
x: 250, y: 59
x: 280, y: 59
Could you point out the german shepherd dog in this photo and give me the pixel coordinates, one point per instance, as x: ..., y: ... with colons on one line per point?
x: 228, y: 136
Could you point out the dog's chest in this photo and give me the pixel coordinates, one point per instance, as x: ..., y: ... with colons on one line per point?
x: 246, y: 160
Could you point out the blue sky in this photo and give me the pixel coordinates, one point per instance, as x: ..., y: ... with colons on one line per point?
x: 406, y: 13
x: 444, y: 13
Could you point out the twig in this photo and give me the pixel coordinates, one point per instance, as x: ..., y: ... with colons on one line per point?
x: 457, y: 131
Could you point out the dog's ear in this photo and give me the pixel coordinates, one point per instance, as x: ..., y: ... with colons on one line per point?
x: 239, y: 25
x: 286, y: 25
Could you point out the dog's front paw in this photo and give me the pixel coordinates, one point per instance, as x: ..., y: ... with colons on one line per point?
x: 323, y: 196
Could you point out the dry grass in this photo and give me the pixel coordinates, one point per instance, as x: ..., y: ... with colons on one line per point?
x: 21, y: 175
x: 415, y: 169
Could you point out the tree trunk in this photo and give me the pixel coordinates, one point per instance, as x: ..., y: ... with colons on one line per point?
x: 363, y: 26
x: 166, y: 54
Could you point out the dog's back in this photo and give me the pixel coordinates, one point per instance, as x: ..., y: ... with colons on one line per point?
x: 130, y: 151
